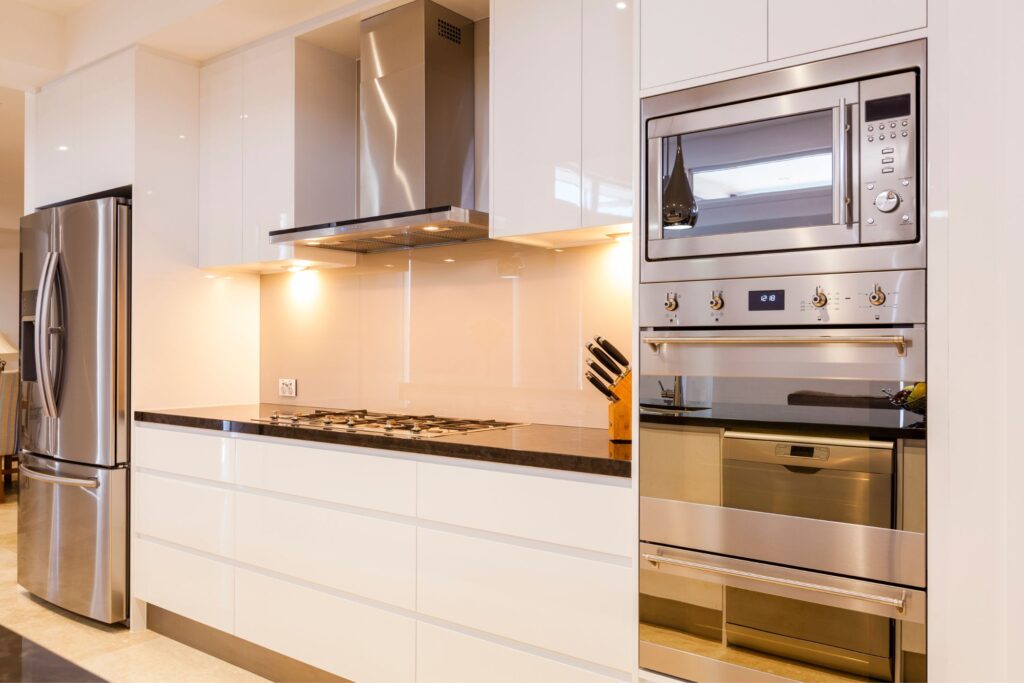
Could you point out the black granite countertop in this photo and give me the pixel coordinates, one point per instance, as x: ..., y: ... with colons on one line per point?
x: 883, y: 423
x: 576, y: 449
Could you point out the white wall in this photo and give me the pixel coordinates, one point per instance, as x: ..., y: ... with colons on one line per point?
x: 976, y: 511
x: 9, y: 286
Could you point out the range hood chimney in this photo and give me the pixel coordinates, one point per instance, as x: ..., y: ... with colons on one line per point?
x: 416, y: 181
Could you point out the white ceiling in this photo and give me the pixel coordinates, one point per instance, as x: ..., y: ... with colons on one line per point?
x: 61, y: 7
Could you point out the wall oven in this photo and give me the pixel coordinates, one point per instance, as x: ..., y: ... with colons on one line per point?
x: 823, y: 162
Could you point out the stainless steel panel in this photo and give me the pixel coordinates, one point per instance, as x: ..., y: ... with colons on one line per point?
x: 890, y: 355
x: 88, y: 396
x: 848, y: 295
x: 690, y: 666
x: 37, y: 433
x: 809, y: 257
x: 388, y: 233
x: 73, y: 535
x: 900, y: 148
x: 855, y: 550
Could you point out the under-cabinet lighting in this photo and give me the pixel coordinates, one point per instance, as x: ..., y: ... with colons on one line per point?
x: 431, y: 228
x: 449, y: 260
x: 62, y: 148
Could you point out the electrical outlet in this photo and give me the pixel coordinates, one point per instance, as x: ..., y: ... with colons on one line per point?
x: 286, y: 387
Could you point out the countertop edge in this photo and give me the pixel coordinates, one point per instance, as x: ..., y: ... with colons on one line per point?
x: 510, y: 456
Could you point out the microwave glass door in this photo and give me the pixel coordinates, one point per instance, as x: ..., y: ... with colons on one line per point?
x: 766, y: 175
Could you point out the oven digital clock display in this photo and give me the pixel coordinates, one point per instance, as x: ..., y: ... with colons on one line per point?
x: 766, y: 300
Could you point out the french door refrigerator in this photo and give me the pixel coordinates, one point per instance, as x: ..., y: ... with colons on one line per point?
x: 73, y: 476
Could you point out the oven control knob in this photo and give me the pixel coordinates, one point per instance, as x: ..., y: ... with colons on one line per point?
x: 716, y: 302
x: 877, y: 297
x: 671, y: 301
x: 819, y: 300
x: 887, y: 201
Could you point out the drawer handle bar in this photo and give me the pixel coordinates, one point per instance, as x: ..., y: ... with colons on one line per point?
x: 899, y: 341
x: 89, y: 483
x: 900, y: 603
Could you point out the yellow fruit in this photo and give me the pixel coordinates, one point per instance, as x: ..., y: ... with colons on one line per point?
x: 920, y: 390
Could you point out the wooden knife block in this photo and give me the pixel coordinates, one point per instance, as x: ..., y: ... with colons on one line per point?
x: 620, y: 413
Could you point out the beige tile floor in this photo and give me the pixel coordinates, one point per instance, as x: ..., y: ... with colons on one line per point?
x: 111, y: 652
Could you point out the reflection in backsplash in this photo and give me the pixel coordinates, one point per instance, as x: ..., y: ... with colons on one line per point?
x: 482, y: 330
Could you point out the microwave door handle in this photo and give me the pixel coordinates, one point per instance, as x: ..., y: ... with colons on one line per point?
x: 42, y: 340
x: 841, y: 192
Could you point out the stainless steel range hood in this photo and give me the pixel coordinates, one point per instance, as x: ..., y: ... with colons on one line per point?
x: 416, y: 181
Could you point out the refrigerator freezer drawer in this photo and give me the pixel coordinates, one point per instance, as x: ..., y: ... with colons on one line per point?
x: 73, y: 536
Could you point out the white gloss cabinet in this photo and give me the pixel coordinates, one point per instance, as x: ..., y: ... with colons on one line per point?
x: 252, y: 155
x: 194, y: 586
x: 84, y: 131
x: 683, y: 39
x: 799, y: 26
x: 561, y: 126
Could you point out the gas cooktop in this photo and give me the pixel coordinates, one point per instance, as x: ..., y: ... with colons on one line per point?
x: 386, y: 424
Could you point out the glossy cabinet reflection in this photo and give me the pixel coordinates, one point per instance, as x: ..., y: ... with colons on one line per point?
x: 561, y: 87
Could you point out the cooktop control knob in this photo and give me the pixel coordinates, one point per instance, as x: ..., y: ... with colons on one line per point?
x: 819, y: 300
x: 877, y: 297
x: 716, y: 302
x: 887, y: 201
x: 671, y: 301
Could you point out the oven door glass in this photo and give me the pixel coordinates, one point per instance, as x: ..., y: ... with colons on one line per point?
x: 707, y: 617
x: 767, y: 175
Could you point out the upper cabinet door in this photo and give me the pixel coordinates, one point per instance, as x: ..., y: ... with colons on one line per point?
x: 536, y: 61
x: 683, y: 39
x: 108, y: 123
x: 220, y: 163
x: 607, y: 93
x: 268, y: 157
x: 799, y: 26
x: 58, y: 150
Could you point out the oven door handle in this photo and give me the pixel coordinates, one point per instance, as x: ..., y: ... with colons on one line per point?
x: 900, y: 603
x: 897, y: 341
x: 841, y: 196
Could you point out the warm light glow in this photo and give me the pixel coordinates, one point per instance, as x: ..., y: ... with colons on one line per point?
x: 559, y: 251
x: 181, y: 137
x: 304, y: 287
x: 449, y: 260
x: 431, y: 228
x: 62, y: 148
x: 622, y: 237
x: 210, y: 277
x: 312, y: 243
x: 620, y: 5
x: 296, y: 269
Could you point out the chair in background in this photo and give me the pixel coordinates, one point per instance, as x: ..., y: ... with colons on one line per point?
x: 8, y: 428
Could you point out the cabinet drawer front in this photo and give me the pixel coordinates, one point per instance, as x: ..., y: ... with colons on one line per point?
x: 349, y: 639
x: 367, y: 481
x: 357, y: 554
x: 575, y: 606
x: 445, y: 656
x: 192, y: 515
x: 188, y: 453
x: 192, y: 586
x: 591, y: 515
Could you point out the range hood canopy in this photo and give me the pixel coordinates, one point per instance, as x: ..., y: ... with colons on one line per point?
x: 416, y: 144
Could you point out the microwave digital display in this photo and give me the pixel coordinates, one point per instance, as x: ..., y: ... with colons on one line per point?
x: 887, y: 108
x: 766, y: 300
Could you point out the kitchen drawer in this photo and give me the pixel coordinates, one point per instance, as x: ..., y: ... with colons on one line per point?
x: 367, y: 556
x: 195, y: 587
x: 336, y: 476
x: 347, y: 638
x: 185, y: 513
x: 595, y: 515
x: 446, y: 656
x: 189, y: 453
x: 576, y: 606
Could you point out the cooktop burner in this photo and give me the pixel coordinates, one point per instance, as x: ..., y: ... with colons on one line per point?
x: 388, y: 424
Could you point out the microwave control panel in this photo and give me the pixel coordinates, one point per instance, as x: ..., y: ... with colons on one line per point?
x: 888, y: 159
x: 889, y: 297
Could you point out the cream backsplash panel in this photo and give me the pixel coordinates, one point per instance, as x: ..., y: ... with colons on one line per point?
x: 483, y: 330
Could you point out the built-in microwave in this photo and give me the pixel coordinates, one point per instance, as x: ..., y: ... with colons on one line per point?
x: 815, y: 168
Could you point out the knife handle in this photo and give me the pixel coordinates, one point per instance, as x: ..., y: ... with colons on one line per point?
x: 602, y: 388
x: 599, y: 371
x: 610, y: 349
x: 605, y: 359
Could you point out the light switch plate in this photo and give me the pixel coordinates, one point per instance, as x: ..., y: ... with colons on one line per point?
x: 286, y: 387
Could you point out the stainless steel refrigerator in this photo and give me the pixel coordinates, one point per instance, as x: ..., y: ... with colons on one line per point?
x: 73, y: 476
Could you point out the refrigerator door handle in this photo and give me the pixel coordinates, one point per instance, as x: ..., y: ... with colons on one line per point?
x: 42, y: 340
x: 29, y: 473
